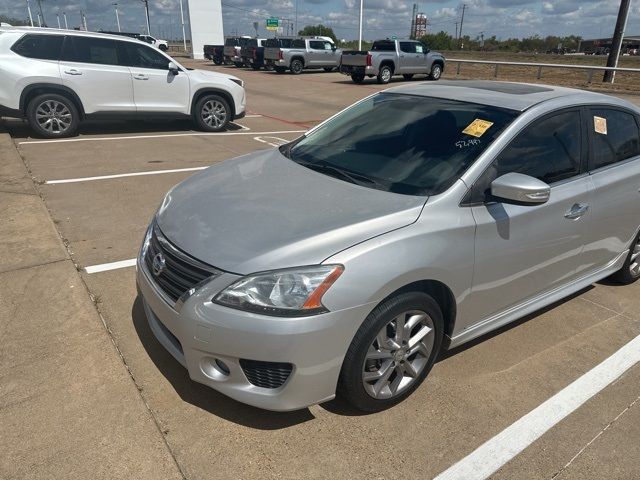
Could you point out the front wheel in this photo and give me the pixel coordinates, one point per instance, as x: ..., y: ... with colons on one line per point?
x: 436, y: 72
x: 53, y: 116
x: 296, y: 67
x: 385, y: 74
x: 212, y: 113
x: 630, y: 271
x: 392, y: 352
x: 357, y: 77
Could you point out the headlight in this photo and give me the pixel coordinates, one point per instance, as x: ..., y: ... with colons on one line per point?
x: 292, y: 292
x: 238, y: 81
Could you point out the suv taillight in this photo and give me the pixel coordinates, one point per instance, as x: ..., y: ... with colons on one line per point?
x: 369, y: 60
x: 280, y: 56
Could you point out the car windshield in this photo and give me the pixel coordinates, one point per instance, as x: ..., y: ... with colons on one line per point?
x: 399, y: 143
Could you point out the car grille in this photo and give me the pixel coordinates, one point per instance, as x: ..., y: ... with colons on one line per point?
x: 266, y: 374
x: 181, y: 272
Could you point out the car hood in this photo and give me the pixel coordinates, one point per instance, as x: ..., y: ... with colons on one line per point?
x: 204, y: 75
x: 263, y: 211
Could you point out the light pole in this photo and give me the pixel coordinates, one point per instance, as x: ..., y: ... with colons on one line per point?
x: 296, y: 32
x: 618, y: 38
x: 117, y: 17
x: 66, y: 25
x: 30, y: 16
x: 184, y: 33
x: 58, y: 18
x: 39, y: 20
x: 42, y: 20
x: 146, y: 10
x: 360, y: 34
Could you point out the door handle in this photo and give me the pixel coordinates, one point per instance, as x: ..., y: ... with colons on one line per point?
x: 576, y: 211
x: 73, y: 71
x: 141, y: 76
x: 401, y: 56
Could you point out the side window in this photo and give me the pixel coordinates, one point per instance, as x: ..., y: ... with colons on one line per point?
x: 42, y: 47
x: 408, y: 47
x: 142, y: 56
x: 615, y: 138
x: 298, y: 43
x: 316, y: 44
x: 91, y: 50
x: 328, y: 46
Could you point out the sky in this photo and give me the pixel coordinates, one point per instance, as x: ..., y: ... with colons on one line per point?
x: 382, y: 18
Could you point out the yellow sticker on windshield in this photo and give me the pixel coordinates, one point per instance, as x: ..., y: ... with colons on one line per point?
x: 600, y: 125
x: 477, y: 127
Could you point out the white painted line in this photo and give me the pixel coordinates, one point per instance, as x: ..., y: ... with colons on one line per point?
x: 122, y: 175
x: 493, y: 454
x: 281, y: 141
x: 139, y: 137
x: 252, y: 116
x: 110, y: 266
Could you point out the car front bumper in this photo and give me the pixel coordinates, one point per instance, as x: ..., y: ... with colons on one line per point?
x: 200, y: 331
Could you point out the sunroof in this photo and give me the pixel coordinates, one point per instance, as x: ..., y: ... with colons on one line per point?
x: 502, y: 87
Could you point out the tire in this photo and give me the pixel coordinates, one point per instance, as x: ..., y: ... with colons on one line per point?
x: 436, y: 72
x: 296, y: 66
x: 328, y: 69
x: 212, y: 113
x: 59, y: 110
x: 239, y: 64
x: 255, y: 67
x: 408, y: 76
x: 280, y: 69
x: 357, y: 77
x: 362, y: 376
x: 630, y: 271
x: 217, y: 61
x: 164, y: 48
x: 385, y: 74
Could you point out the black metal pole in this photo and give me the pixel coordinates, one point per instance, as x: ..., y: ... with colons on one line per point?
x: 618, y: 36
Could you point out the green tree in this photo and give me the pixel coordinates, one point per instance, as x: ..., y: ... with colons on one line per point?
x: 320, y: 30
x: 13, y: 21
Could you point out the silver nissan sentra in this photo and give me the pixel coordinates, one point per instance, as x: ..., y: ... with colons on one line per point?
x: 415, y: 220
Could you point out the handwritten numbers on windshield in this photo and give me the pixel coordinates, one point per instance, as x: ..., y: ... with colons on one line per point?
x: 468, y: 143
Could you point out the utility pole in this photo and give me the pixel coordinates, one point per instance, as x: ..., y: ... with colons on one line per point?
x: 481, y: 40
x: 146, y: 10
x: 464, y: 7
x: 84, y: 21
x: 360, y: 28
x: 296, y: 32
x: 39, y: 20
x: 42, y: 20
x: 184, y: 34
x: 457, y: 23
x: 58, y: 18
x: 412, y: 34
x: 117, y: 16
x: 618, y: 36
x: 30, y: 16
x: 66, y: 25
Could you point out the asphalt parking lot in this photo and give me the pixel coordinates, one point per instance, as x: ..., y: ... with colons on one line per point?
x: 101, y: 189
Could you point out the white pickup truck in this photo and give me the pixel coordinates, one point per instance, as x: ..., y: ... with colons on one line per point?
x: 392, y: 57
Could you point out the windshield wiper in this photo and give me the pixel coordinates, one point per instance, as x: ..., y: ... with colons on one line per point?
x: 333, y: 171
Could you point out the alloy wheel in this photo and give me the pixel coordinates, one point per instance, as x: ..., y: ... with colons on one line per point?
x: 53, y: 116
x: 436, y: 72
x: 398, y: 354
x: 214, y: 113
x: 386, y: 75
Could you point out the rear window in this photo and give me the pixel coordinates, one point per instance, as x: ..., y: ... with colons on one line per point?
x: 405, y: 144
x: 42, y: 47
x: 231, y: 42
x: 252, y: 43
x: 298, y: 43
x: 383, y: 46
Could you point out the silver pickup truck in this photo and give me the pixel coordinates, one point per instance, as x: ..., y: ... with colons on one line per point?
x: 296, y: 54
x: 392, y: 57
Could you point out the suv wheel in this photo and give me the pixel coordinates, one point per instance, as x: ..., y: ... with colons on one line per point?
x: 212, y: 113
x: 53, y: 116
x: 630, y: 271
x: 436, y: 71
x: 385, y: 74
x: 164, y: 48
x: 296, y: 66
x: 392, y: 352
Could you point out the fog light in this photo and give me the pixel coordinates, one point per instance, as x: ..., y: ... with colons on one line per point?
x: 222, y: 367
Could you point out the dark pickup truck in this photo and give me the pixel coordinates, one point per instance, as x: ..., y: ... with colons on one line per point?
x: 215, y: 53
x: 252, y: 53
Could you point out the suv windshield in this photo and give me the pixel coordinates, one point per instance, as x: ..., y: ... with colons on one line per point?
x: 406, y: 144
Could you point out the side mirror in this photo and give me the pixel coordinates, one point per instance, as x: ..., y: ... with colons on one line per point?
x: 173, y: 68
x: 334, y: 48
x: 520, y: 189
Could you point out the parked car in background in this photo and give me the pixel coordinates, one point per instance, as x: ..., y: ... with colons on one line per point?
x: 252, y: 53
x: 215, y: 53
x: 58, y: 78
x: 232, y: 50
x: 156, y: 42
x: 392, y: 57
x: 418, y: 219
x: 303, y: 53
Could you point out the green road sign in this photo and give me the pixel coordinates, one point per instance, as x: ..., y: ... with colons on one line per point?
x: 273, y: 23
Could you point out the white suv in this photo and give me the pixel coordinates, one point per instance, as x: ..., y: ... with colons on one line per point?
x: 156, y: 42
x: 56, y: 78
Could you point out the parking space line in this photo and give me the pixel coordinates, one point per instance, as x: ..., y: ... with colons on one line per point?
x: 281, y: 141
x: 496, y: 452
x: 139, y: 137
x: 111, y: 266
x: 122, y: 175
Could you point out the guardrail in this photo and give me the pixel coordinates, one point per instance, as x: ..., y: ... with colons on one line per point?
x: 591, y: 69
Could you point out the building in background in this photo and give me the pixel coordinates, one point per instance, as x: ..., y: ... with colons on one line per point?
x: 602, y: 46
x: 205, y: 25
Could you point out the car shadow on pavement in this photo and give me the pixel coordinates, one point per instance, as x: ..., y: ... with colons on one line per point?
x: 204, y: 397
x: 340, y: 407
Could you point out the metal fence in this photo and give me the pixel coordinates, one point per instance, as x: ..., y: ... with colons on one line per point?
x: 590, y: 69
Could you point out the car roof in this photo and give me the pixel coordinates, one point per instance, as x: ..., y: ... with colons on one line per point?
x: 510, y: 95
x: 57, y: 31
